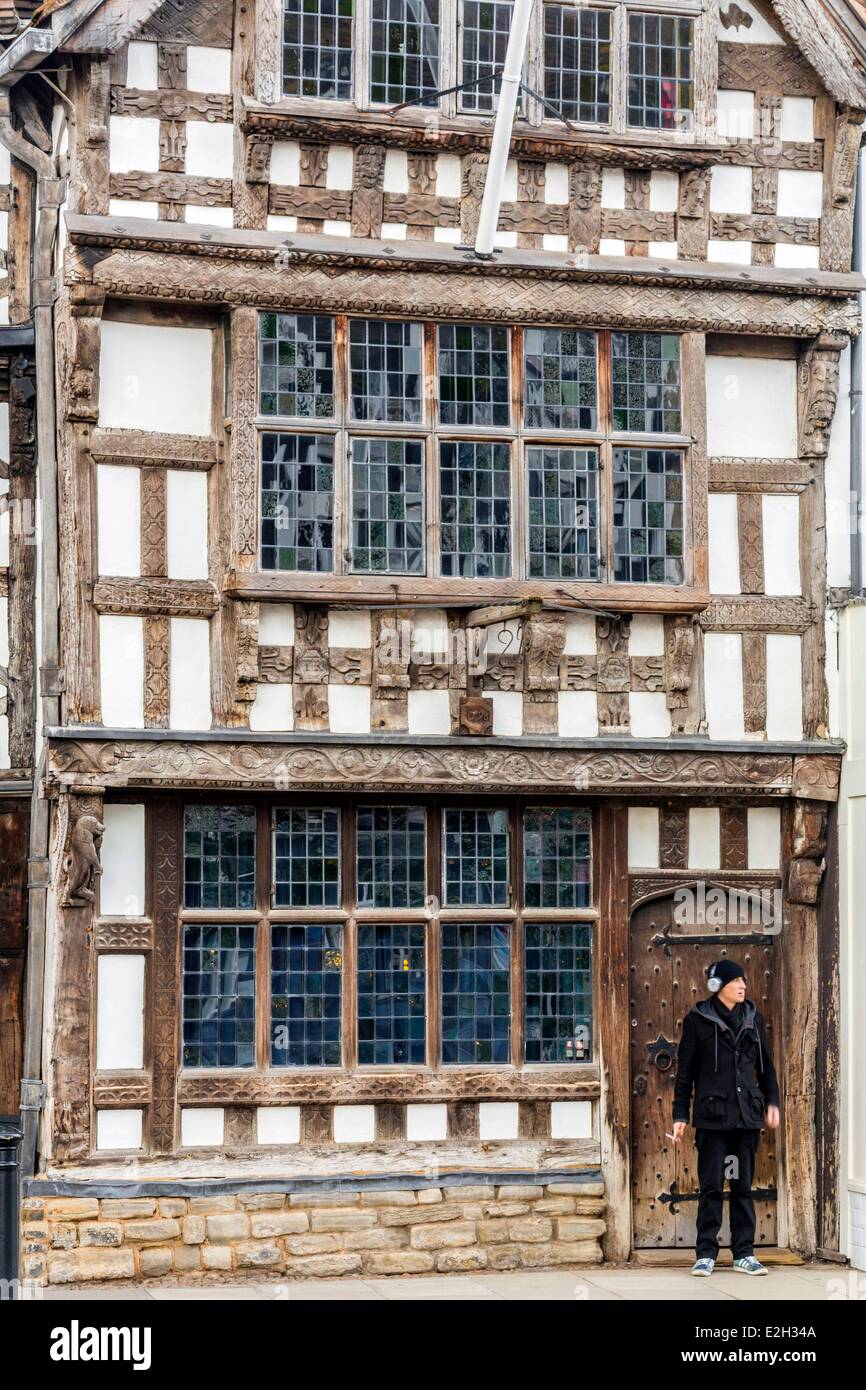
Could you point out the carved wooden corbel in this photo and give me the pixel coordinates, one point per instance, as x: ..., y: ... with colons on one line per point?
x: 584, y: 207
x: 614, y: 673
x: 368, y: 190
x: 818, y: 388
x: 807, y: 865
x: 543, y: 648
x: 473, y: 179
x: 82, y: 366
x: 81, y: 865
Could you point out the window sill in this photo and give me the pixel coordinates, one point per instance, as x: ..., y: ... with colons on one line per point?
x: 361, y: 590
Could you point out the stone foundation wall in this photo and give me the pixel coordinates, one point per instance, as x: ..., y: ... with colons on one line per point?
x: 68, y: 1240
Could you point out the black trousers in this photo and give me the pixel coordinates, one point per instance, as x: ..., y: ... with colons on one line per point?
x: 715, y: 1148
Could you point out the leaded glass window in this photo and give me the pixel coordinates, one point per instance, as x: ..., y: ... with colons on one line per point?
x: 219, y: 857
x: 562, y: 512
x: 390, y: 856
x: 476, y: 858
x: 404, y: 50
x: 296, y: 365
x: 558, y: 992
x: 557, y: 864
x: 388, y: 505
x: 473, y: 375
x: 660, y: 72
x: 219, y: 996
x: 297, y: 522
x: 475, y: 509
x: 306, y: 995
x: 317, y: 49
x: 306, y: 857
x: 391, y: 994
x: 645, y: 371
x: 648, y: 518
x: 385, y: 366
x: 484, y: 33
x: 560, y: 380
x: 577, y: 64
x: 476, y: 998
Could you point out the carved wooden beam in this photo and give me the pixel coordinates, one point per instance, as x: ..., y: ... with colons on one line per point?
x: 175, y: 105
x: 755, y: 613
x: 143, y: 448
x: 188, y: 598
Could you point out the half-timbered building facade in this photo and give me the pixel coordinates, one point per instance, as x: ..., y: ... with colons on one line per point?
x: 446, y: 669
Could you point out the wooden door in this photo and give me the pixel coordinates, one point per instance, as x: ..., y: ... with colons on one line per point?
x: 666, y: 979
x: 13, y: 908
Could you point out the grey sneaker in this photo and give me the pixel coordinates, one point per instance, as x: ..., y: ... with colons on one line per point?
x: 749, y: 1265
x: 704, y: 1266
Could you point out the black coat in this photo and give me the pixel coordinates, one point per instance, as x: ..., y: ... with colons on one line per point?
x: 721, y: 1069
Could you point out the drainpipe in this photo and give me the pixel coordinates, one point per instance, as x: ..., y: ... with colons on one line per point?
x: 50, y: 196
x: 856, y: 422
x: 488, y: 218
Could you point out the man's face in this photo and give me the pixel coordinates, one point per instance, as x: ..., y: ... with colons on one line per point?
x: 734, y: 992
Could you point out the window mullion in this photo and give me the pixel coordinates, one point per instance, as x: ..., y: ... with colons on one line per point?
x: 619, y: 80
x: 361, y: 43
x: 517, y: 937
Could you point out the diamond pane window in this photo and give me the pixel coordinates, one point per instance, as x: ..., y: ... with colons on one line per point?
x: 391, y: 1004
x: 386, y: 370
x: 219, y: 857
x: 296, y: 365
x: 561, y: 379
x: 577, y: 62
x: 562, y: 512
x: 317, y: 49
x: 476, y: 1000
x: 306, y: 857
x: 475, y: 509
x: 390, y: 868
x: 475, y: 858
x: 473, y: 374
x: 485, y: 30
x: 297, y: 524
x: 219, y: 996
x: 660, y: 72
x: 557, y: 865
x: 306, y: 995
x: 648, y: 516
x: 388, y: 506
x: 558, y: 992
x: 645, y: 374
x: 404, y: 50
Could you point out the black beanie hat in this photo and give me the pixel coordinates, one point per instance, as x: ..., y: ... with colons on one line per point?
x: 721, y: 972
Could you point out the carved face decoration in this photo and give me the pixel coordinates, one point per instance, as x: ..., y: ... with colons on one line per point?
x: 585, y: 185
x: 476, y: 176
x: 368, y: 167
x: 260, y: 154
x: 476, y: 715
x: 821, y: 383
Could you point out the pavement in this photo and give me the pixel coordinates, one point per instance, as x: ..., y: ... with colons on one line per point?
x: 808, y: 1283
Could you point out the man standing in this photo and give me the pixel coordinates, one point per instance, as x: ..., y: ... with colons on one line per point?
x: 722, y: 1046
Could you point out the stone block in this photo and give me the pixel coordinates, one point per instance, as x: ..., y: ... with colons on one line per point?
x: 310, y: 1244
x: 530, y: 1229
x: 227, y: 1226
x: 76, y: 1266
x: 212, y: 1206
x: 186, y: 1258
x: 440, y: 1237
x: 452, y: 1261
x: 100, y: 1233
x: 127, y: 1208
x: 579, y: 1228
x: 412, y: 1216
x: 172, y: 1206
x: 400, y: 1262
x: 390, y: 1198
x: 154, y: 1232
x: 72, y: 1209
x: 154, y: 1262
x: 279, y: 1223
x: 258, y: 1254
x: 194, y: 1228
x: 262, y: 1201
x: 342, y: 1219
x: 217, y: 1256
x: 64, y: 1235
x: 325, y: 1266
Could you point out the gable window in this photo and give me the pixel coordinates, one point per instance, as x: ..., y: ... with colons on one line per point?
x: 426, y: 935
x: 471, y: 451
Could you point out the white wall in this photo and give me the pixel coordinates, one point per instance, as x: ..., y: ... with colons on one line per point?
x: 121, y: 669
x: 752, y: 407
x: 155, y: 378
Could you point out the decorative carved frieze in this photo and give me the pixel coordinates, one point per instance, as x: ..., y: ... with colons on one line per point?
x: 310, y: 673
x: 157, y: 666
x: 614, y: 672
x: 123, y: 934
x: 390, y: 673
x: 732, y: 226
x: 140, y: 448
x: 754, y: 613
x: 173, y: 188
x: 172, y: 105
x: 111, y: 1090
x: 166, y: 838
x: 350, y: 665
x: 275, y: 665
x: 315, y: 1090
x: 181, y: 598
x: 766, y: 67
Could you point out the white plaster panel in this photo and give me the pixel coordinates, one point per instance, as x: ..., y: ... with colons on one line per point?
x: 664, y: 190
x: 646, y: 635
x: 186, y: 524
x: 286, y: 162
x: 759, y: 31
x: 4, y: 630
x: 705, y: 842
x: 781, y: 517
x: 784, y: 686
x: 505, y: 239
x: 133, y: 144
x: 577, y: 714
x: 730, y: 252
x: 662, y: 250
x: 449, y: 235
x: 155, y: 378
x: 396, y: 176
x: 121, y: 887
x: 349, y: 709
x: 208, y: 69
x: 202, y: 1127
x: 571, y: 1119
x: 277, y: 625
x: 735, y: 119
x: 349, y: 628
x: 118, y: 513
x: 509, y: 183
x: 333, y: 227
x: 613, y: 188
x: 121, y: 670
x: 798, y: 118
x: 189, y: 680
x: 118, y: 1129
x: 507, y: 712
x: 832, y: 672
x: 580, y: 635
x: 339, y: 170
x: 119, y: 1012
x: 210, y: 149
x: 393, y: 231
x: 724, y: 546
x: 429, y: 712
x: 764, y: 837
x: 354, y: 1124
x: 723, y: 684
x: 132, y: 207
x: 210, y: 217
x: 426, y: 1122
x: 448, y: 176
x: 272, y: 710
x: 793, y: 257
x: 4, y: 441
x: 643, y: 837
x: 5, y: 165
x: 142, y: 71
x: 556, y: 183
x: 5, y: 760
x: 278, y: 1124
x: 497, y: 1119
x: 278, y: 223
x: 800, y: 193
x: 611, y: 246
x: 730, y: 188
x: 837, y: 481
x: 649, y: 714
x: 553, y: 241
x: 429, y: 636
x: 738, y: 421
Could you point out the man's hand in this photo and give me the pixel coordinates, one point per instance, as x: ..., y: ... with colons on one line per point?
x: 772, y: 1117
x: 680, y: 1129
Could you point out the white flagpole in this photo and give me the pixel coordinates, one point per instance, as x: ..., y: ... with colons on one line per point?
x: 499, y: 146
